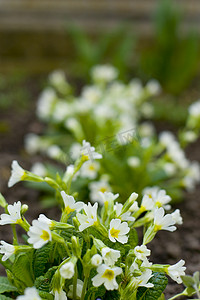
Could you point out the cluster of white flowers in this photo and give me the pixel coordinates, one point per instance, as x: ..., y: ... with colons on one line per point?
x: 177, y: 163
x: 115, y: 229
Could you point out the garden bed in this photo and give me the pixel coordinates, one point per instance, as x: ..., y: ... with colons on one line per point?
x: 167, y: 247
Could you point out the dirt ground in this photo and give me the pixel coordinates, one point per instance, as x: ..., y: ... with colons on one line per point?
x: 167, y: 247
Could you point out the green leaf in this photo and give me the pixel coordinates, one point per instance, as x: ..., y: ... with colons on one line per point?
x: 42, y: 258
x: 160, y: 282
x: 2, y: 297
x: 22, y: 268
x: 133, y: 238
x: 188, y: 281
x: 112, y: 295
x: 6, y: 286
x: 42, y: 283
x: 45, y: 295
x: 3, y: 202
x: 95, y: 292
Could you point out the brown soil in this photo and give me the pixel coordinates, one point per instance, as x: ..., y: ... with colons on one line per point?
x: 166, y: 248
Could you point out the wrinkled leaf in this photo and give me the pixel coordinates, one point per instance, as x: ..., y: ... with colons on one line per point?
x: 6, y: 286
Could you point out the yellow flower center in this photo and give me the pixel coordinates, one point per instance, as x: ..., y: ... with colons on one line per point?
x: 45, y: 235
x: 91, y: 168
x: 157, y: 227
x: 114, y: 232
x: 68, y: 210
x: 109, y: 274
x: 103, y: 190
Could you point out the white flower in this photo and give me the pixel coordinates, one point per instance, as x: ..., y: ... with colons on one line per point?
x: 54, y: 152
x: 13, y: 216
x: 67, y: 270
x: 96, y: 260
x: 110, y: 256
x: 96, y: 187
x: 170, y: 169
x: 194, y: 109
x: 79, y: 288
x: 75, y: 151
x: 153, y: 87
x: 118, y: 231
x: 39, y: 234
x: 107, y: 197
x: 39, y: 169
x: 7, y: 250
x: 91, y: 94
x: 125, y: 216
x: 60, y: 295
x: 141, y: 252
x: 177, y: 270
x: 133, y: 161
x: 89, y: 218
x: 43, y: 219
x: 70, y: 203
x: 144, y: 278
x: 158, y: 196
x: 32, y: 143
x: 176, y: 216
x: 17, y: 174
x: 30, y: 293
x: 45, y: 103
x: 147, y: 203
x: 89, y: 169
x: 106, y: 275
x: 162, y: 222
x: 193, y: 176
x: 166, y: 138
x: 89, y: 151
x: 104, y: 73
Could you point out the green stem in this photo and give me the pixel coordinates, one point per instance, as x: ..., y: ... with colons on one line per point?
x: 176, y: 296
x: 75, y: 282
x: 15, y: 239
x: 84, y: 286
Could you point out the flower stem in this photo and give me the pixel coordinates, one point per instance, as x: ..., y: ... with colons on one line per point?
x: 15, y: 239
x: 75, y: 282
x: 176, y: 296
x: 84, y: 286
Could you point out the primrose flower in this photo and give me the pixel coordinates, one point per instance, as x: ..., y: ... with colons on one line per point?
x: 96, y: 187
x: 141, y: 252
x: 60, y: 295
x: 133, y: 161
x: 162, y: 222
x: 89, y: 218
x: 39, y: 169
x: 158, y: 196
x: 89, y: 151
x: 176, y: 271
x: 43, y: 219
x: 143, y: 279
x: 110, y: 256
x: 39, y: 234
x: 7, y: 250
x: 17, y: 173
x: 14, y: 214
x: 104, y: 73
x: 30, y: 293
x: 67, y: 270
x: 107, y: 197
x: 194, y: 109
x: 147, y: 203
x: 176, y: 216
x: 125, y: 216
x: 90, y: 169
x: 118, y: 231
x: 96, y: 260
x: 79, y: 288
x: 106, y: 275
x: 70, y: 203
